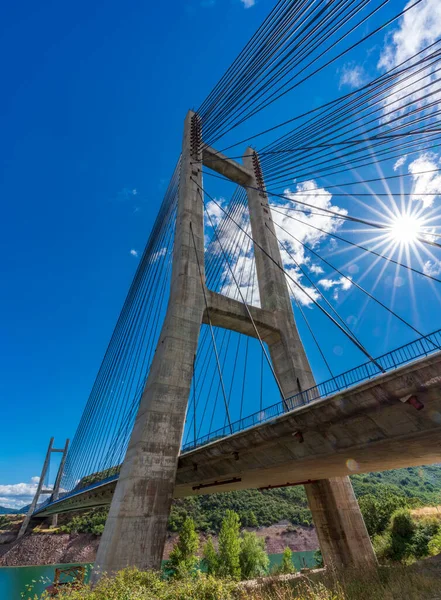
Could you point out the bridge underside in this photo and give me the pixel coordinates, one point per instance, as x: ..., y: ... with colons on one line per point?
x: 367, y: 428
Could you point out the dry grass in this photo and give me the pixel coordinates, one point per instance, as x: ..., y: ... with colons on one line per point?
x: 426, y: 512
x: 397, y: 583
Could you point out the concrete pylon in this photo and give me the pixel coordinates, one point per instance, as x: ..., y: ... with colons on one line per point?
x: 39, y: 491
x: 136, y: 527
x: 57, y: 484
x: 343, y: 537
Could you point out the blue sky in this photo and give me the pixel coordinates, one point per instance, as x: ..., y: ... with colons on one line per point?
x: 91, y: 121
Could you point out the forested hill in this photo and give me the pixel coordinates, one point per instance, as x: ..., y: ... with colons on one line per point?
x: 417, y: 485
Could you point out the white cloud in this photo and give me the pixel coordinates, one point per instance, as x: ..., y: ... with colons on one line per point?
x: 418, y: 27
x: 134, y: 252
x: 400, y: 162
x: 248, y: 3
x: 343, y: 282
x: 16, y: 495
x: 316, y: 269
x: 292, y: 251
x: 432, y: 268
x: 214, y: 211
x: 425, y: 183
x: 352, y: 75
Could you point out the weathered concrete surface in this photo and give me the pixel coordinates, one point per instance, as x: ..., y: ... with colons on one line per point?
x: 339, y: 523
x: 136, y: 527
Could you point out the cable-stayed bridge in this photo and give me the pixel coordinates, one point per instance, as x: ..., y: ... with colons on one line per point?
x: 207, y: 384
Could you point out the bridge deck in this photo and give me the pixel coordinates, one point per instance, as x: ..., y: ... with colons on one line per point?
x: 361, y: 429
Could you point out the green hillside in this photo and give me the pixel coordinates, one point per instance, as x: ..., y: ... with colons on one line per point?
x: 379, y: 495
x: 420, y: 484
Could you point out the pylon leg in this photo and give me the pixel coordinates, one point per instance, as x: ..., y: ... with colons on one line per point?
x: 136, y: 527
x: 343, y: 537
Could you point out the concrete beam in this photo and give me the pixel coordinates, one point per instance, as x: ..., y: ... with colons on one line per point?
x: 229, y: 168
x: 230, y: 314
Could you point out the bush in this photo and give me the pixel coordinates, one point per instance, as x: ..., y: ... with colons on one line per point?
x: 286, y: 566
x: 132, y: 584
x: 406, y: 540
x: 318, y: 557
x: 229, y: 546
x: 434, y: 545
x: 91, y: 522
x: 253, y: 559
x: 4, y: 522
x: 210, y: 557
x: 378, y: 510
x: 183, y: 560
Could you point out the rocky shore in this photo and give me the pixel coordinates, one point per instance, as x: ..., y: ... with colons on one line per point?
x: 52, y: 548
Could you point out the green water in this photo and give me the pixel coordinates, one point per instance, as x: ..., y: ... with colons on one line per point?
x: 14, y: 581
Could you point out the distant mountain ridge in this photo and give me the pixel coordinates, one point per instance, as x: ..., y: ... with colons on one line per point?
x: 8, y: 511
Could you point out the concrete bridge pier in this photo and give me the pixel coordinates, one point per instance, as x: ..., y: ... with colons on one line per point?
x: 343, y: 537
x: 136, y: 527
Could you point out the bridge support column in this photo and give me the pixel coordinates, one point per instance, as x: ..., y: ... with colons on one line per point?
x: 344, y: 540
x: 136, y: 527
x: 343, y: 537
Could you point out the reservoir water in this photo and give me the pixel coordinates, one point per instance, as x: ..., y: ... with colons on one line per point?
x: 18, y: 583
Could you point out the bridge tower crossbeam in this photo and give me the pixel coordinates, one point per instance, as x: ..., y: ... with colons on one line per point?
x: 135, y: 530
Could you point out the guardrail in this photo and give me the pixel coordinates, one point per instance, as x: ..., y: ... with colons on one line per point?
x: 391, y: 360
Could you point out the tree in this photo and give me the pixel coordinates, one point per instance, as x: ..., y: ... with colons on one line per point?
x: 377, y: 510
x: 318, y: 557
x: 229, y: 546
x: 183, y: 560
x: 434, y: 546
x: 286, y: 566
x: 210, y: 557
x: 253, y: 559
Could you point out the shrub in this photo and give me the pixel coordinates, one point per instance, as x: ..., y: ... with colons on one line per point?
x: 4, y: 522
x: 132, y: 584
x: 183, y: 560
x: 434, y: 546
x: 286, y: 566
x: 253, y: 559
x: 91, y: 522
x: 229, y: 546
x: 210, y: 557
x: 318, y: 557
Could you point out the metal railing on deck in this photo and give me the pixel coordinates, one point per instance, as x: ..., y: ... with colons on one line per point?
x: 391, y: 360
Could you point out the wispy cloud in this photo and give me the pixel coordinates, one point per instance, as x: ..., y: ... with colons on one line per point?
x: 134, y: 252
x: 418, y: 28
x: 426, y: 186
x: 432, y: 267
x: 352, y: 75
x: 248, y: 3
x: 400, y: 162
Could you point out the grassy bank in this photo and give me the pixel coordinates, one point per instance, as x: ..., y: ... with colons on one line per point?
x: 397, y: 583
